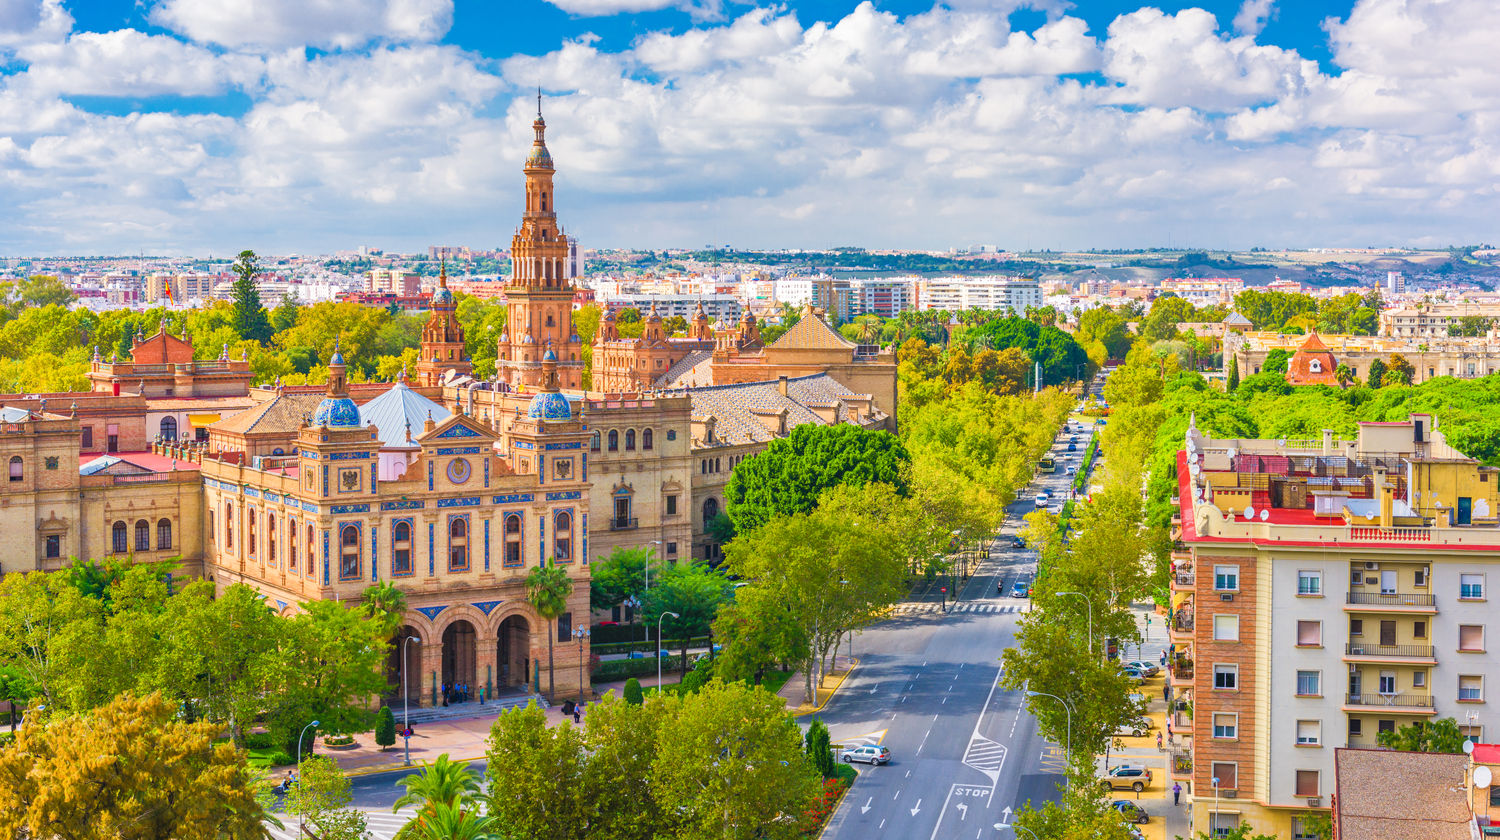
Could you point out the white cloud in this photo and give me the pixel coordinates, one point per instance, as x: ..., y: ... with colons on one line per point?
x: 700, y: 9
x: 125, y: 62
x: 33, y: 21
x: 1253, y: 15
x: 342, y: 24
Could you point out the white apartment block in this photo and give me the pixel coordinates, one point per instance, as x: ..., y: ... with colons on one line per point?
x: 954, y: 294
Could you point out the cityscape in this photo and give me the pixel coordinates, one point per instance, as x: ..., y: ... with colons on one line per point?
x: 443, y: 420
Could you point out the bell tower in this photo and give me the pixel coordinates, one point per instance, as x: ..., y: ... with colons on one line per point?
x: 540, y: 295
x: 442, y: 347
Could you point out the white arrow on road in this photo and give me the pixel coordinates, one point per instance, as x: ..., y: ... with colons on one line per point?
x: 917, y: 808
x: 1005, y: 817
x: 865, y: 808
x: 963, y: 811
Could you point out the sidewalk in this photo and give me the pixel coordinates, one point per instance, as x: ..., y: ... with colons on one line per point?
x: 795, y: 690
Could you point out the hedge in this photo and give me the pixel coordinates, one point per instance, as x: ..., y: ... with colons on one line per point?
x: 619, y: 669
x: 646, y: 647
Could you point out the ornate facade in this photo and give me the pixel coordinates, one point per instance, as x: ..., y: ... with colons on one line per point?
x: 442, y: 339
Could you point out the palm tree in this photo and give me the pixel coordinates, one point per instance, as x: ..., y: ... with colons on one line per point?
x: 548, y: 588
x: 448, y: 822
x: 441, y: 783
x: 385, y: 604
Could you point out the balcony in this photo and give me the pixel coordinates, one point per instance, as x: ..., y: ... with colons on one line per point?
x: 1182, y: 581
x: 1182, y: 624
x: 1406, y: 602
x: 1408, y: 704
x: 623, y: 523
x: 1418, y: 654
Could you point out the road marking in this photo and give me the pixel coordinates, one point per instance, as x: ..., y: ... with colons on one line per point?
x: 865, y: 808
x: 898, y: 794
x: 882, y: 824
x: 916, y: 807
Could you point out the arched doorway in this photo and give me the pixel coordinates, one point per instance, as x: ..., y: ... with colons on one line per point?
x: 169, y: 428
x: 413, y: 662
x: 458, y: 654
x: 513, y: 654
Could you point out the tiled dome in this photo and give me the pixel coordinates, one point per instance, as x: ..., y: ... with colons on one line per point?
x: 442, y: 295
x: 549, y: 406
x: 337, y: 411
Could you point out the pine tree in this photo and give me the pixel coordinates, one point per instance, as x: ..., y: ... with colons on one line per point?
x: 633, y: 694
x: 250, y: 318
x: 1234, y: 372
x: 385, y: 728
x: 819, y: 749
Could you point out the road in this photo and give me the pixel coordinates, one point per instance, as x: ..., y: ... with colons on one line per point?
x: 965, y: 754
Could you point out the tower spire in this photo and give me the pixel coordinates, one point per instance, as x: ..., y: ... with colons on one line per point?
x: 538, y: 101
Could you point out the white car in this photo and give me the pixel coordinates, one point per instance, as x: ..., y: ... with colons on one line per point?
x: 1042, y: 499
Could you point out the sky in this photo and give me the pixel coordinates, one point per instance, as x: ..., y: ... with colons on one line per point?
x: 201, y: 127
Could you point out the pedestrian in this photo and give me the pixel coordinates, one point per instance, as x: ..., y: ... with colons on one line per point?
x: 1164, y: 658
x: 1158, y: 740
x: 577, y: 713
x: 1177, y: 793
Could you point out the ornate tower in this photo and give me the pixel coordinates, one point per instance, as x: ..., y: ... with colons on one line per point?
x: 442, y: 339
x: 540, y: 296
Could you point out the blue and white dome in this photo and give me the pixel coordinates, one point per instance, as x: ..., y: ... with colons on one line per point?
x: 442, y: 295
x: 550, y: 406
x: 549, y: 356
x: 338, y: 357
x: 338, y: 412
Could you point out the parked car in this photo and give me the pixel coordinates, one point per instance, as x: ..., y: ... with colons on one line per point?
x: 1131, y: 811
x: 1132, y: 776
x: 1150, y: 669
x: 871, y: 754
x: 1017, y: 542
x: 1138, y: 728
x: 1134, y: 673
x: 1021, y: 588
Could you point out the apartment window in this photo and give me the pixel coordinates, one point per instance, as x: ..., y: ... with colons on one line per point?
x: 1309, y: 733
x: 630, y: 440
x: 1419, y: 629
x: 1356, y: 627
x: 1227, y: 578
x: 1307, y: 783
x: 1387, y: 682
x: 672, y: 505
x: 401, y: 548
x: 291, y: 544
x: 1308, y: 683
x: 1227, y: 676
x: 1309, y: 634
x: 1227, y: 772
x: 1471, y: 689
x: 54, y: 546
x: 1221, y: 824
x: 1356, y: 576
x: 1419, y: 679
x: 513, y: 540
x: 1300, y: 831
x: 1471, y: 637
x: 1226, y: 628
x: 250, y: 544
x: 1472, y: 734
x: 1226, y: 725
x: 1471, y: 586
x: 458, y: 544
x: 229, y: 525
x: 1356, y: 727
x: 1420, y: 577
x: 1309, y: 583
x: 671, y: 549
x: 562, y: 533
x: 1385, y: 725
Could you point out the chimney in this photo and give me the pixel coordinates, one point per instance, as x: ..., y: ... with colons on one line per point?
x: 1383, y: 493
x: 781, y: 385
x: 1327, y: 441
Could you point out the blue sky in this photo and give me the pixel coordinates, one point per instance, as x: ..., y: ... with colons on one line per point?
x: 191, y: 126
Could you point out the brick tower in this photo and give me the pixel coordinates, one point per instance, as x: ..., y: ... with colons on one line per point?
x: 442, y: 338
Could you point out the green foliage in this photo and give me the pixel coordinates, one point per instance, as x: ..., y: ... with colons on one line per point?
x: 694, y: 592
x: 1441, y: 735
x: 702, y: 673
x: 619, y: 576
x: 250, y: 319
x: 385, y: 728
x: 819, y: 748
x: 1061, y: 358
x: 1377, y: 373
x: 789, y: 475
x: 547, y: 590
x: 1166, y: 313
x: 442, y: 784
x: 1107, y: 327
x: 1276, y: 361
x: 1274, y: 310
x: 322, y: 798
x: 1243, y: 831
x: 633, y: 694
x: 1398, y: 371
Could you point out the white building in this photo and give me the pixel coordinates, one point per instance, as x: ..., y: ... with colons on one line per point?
x: 954, y: 294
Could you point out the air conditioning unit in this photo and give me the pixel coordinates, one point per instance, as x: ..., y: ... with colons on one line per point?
x: 1314, y: 801
x: 1229, y: 794
x: 1372, y: 566
x: 1226, y: 596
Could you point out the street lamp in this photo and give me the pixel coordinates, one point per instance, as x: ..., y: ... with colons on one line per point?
x: 1025, y: 829
x: 659, y: 620
x: 1090, y: 605
x: 1066, y: 707
x: 1214, y: 826
x: 580, y: 634
x: 299, y: 768
x: 405, y: 697
x: 633, y: 604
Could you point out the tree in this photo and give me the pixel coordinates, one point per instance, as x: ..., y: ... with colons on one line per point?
x: 1059, y: 354
x: 1243, y: 831
x: 284, y: 316
x: 36, y: 610
x: 1398, y: 371
x: 449, y: 822
x: 694, y: 592
x: 1107, y: 327
x: 127, y: 771
x: 332, y: 662
x: 536, y: 775
x: 322, y: 798
x: 1377, y: 374
x: 619, y: 576
x: 1343, y: 375
x: 16, y: 690
x: 621, y: 742
x: 444, y: 782
x: 1234, y: 372
x: 1442, y: 736
x: 633, y: 694
x: 819, y: 748
x: 385, y: 605
x: 547, y: 590
x: 1276, y: 361
x: 1166, y: 313
x: 385, y: 728
x: 788, y: 476
x: 250, y: 319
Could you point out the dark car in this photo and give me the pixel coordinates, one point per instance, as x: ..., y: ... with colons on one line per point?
x: 1017, y: 542
x: 1072, y: 447
x: 1131, y: 811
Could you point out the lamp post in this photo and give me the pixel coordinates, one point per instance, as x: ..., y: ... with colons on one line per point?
x: 659, y: 620
x: 1214, y: 824
x: 1069, y: 710
x: 299, y: 768
x: 405, y: 698
x: 1090, y: 605
x: 580, y: 634
x: 633, y: 604
x: 1025, y: 829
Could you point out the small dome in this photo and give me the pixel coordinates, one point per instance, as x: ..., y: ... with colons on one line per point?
x: 528, y: 339
x: 610, y: 315
x: 539, y: 157
x: 550, y: 406
x: 337, y: 411
x: 338, y: 356
x: 549, y: 356
x: 442, y: 295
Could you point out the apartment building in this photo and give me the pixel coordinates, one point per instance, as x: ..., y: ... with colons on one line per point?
x: 954, y: 294
x: 1323, y: 591
x: 1432, y: 320
x: 1205, y: 291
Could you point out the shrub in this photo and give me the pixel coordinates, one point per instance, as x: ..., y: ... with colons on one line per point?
x: 338, y: 740
x: 616, y: 669
x: 633, y: 694
x: 699, y: 676
x: 385, y: 728
x: 259, y: 741
x: 281, y: 759
x: 819, y: 750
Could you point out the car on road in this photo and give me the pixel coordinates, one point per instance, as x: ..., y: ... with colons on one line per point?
x: 1131, y: 811
x: 1138, y: 728
x: 1072, y: 438
x: 1042, y: 498
x: 1132, y: 776
x: 1150, y: 669
x: 1017, y: 542
x: 1021, y: 588
x: 1071, y: 470
x: 871, y: 754
x: 1134, y: 673
x: 1072, y: 447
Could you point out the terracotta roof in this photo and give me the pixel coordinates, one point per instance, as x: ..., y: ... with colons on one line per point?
x: 810, y: 331
x: 682, y: 367
x: 282, y: 413
x: 737, y: 409
x: 1313, y: 344
x: 1390, y: 795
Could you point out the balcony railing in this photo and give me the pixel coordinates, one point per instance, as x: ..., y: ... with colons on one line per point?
x: 1392, y: 599
x: 624, y: 523
x: 1409, y: 651
x: 1185, y: 578
x: 1408, y: 701
x: 1183, y: 622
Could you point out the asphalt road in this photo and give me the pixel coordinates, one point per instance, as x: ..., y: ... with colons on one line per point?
x: 965, y: 754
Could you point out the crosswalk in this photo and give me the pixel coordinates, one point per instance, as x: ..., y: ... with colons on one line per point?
x: 962, y: 607
x: 383, y: 824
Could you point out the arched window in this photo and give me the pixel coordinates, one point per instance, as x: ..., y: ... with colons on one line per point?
x: 594, y: 444
x: 630, y: 440
x: 291, y: 544
x: 271, y: 537
x: 163, y: 534
x: 614, y: 440
x: 513, y: 540
x: 169, y: 428
x: 312, y: 556
x: 119, y: 538
x: 142, y: 535
x: 251, y: 546
x: 710, y: 510
x: 458, y: 544
x: 562, y: 534
x: 349, y: 552
x: 646, y: 440
x: 17, y: 468
x: 401, y: 549
x: 229, y: 524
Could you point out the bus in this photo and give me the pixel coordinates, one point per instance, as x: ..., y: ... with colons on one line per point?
x: 1047, y: 464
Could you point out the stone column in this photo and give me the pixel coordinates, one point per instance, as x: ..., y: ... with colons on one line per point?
x: 485, y: 650
x: 432, y: 670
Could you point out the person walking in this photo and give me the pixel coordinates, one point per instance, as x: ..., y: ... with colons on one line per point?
x: 1158, y: 740
x: 1177, y: 793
